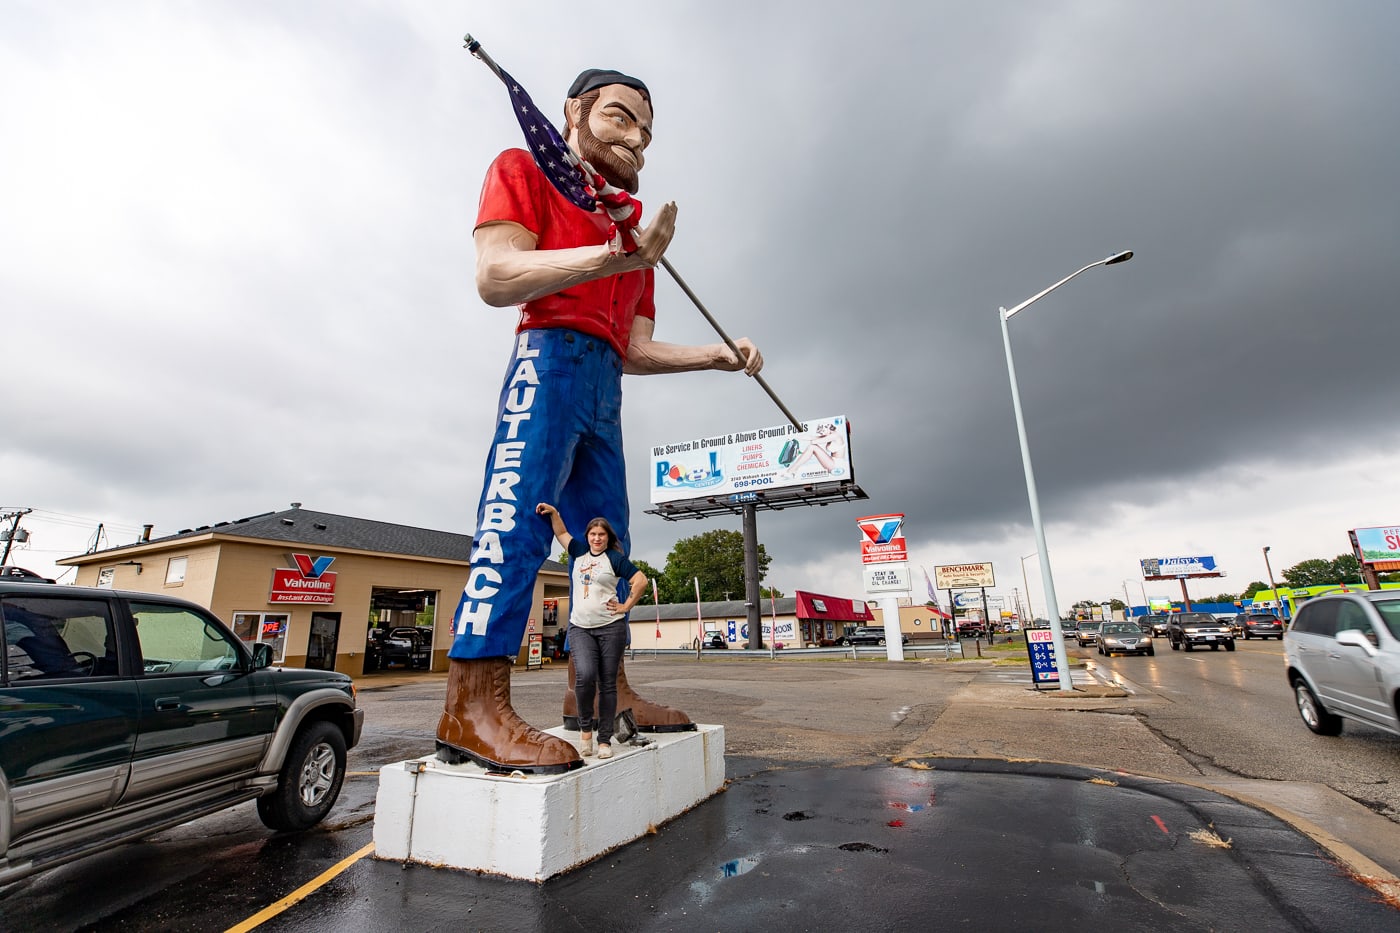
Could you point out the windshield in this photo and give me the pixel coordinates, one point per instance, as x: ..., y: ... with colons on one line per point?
x: 1089, y: 626
x: 1390, y: 612
x: 1197, y: 618
x: 1121, y: 628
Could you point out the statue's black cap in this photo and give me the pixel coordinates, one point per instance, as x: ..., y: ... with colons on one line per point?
x: 602, y: 77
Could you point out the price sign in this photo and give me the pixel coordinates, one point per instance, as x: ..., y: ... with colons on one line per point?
x: 1040, y: 645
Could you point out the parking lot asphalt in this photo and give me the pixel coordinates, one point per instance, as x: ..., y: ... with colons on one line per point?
x: 973, y: 824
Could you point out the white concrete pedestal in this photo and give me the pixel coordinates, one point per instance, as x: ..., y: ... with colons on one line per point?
x: 459, y: 816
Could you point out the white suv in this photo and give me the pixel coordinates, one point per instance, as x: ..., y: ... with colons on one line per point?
x: 1343, y: 656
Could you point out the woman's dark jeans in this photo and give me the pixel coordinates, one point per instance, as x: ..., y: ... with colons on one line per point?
x: 597, y: 653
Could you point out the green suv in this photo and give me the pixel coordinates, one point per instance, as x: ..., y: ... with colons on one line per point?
x: 122, y: 714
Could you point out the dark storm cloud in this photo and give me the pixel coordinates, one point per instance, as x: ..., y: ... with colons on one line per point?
x: 279, y: 283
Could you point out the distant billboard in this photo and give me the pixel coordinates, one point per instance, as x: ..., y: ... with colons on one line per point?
x: 1375, y: 544
x: 1179, y: 566
x: 779, y: 457
x: 963, y: 576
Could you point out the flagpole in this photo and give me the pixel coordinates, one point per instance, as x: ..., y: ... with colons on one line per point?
x: 473, y: 46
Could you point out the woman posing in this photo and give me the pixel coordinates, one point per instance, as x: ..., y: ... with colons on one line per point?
x: 597, y: 624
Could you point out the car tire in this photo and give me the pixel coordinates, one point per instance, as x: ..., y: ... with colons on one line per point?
x: 310, y: 780
x: 1151, y: 651
x: 846, y: 642
x: 881, y: 642
x: 1229, y: 646
x: 1186, y: 645
x: 1314, y: 716
x: 1175, y: 645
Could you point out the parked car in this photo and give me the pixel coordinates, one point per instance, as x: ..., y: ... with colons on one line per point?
x: 403, y: 645
x: 869, y: 635
x: 123, y: 713
x: 1259, y: 625
x: 1189, y: 629
x: 714, y: 640
x: 1343, y: 660
x: 1087, y: 633
x: 971, y: 629
x: 1124, y: 638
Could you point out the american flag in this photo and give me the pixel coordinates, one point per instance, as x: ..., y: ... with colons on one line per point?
x: 571, y: 176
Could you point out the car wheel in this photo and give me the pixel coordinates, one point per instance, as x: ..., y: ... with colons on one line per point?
x: 1151, y: 651
x: 881, y: 642
x: 846, y: 642
x: 1229, y: 646
x: 1175, y: 645
x: 1247, y: 636
x: 1186, y: 645
x: 1314, y: 716
x: 309, y: 782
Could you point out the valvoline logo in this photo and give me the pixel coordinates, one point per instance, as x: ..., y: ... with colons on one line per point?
x: 881, y: 529
x: 311, y: 569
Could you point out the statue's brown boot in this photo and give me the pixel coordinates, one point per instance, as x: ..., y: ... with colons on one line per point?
x: 480, y: 725
x: 650, y: 717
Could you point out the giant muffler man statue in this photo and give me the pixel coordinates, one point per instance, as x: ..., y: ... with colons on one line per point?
x: 587, y: 316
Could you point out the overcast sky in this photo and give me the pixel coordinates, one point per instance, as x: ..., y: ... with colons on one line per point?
x: 236, y: 266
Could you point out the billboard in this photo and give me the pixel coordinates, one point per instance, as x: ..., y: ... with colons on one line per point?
x: 752, y: 461
x: 1178, y: 566
x: 959, y: 576
x: 1375, y: 544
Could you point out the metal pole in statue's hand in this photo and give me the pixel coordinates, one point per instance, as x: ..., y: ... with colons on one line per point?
x: 733, y: 347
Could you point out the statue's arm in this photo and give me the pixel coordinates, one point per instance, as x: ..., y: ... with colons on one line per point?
x: 511, y: 271
x: 646, y: 356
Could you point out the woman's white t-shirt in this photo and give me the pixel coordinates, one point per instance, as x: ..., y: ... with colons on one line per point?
x: 595, y: 579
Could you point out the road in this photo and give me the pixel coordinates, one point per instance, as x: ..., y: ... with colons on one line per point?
x: 1233, y: 713
x: 1224, y: 713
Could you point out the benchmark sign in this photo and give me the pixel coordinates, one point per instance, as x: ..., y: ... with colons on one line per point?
x: 963, y: 576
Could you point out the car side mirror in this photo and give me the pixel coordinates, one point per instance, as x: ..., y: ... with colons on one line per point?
x: 1356, y: 639
x: 262, y: 655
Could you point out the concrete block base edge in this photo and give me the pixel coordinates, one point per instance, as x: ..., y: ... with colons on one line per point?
x: 461, y: 816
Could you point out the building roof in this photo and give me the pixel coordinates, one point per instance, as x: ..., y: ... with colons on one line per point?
x: 312, y: 529
x: 840, y: 609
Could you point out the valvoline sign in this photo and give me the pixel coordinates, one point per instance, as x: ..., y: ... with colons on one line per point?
x: 310, y: 581
x: 882, y: 538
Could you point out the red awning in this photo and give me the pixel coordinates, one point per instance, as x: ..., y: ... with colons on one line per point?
x: 833, y: 608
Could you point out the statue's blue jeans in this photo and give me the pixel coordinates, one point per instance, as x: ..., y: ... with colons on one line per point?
x: 558, y: 440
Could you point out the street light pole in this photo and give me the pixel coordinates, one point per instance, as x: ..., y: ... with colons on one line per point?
x: 1051, y: 604
x: 1272, y: 585
x: 1030, y: 610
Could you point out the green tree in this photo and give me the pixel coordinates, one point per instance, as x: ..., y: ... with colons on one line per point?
x: 1318, y: 571
x: 768, y: 592
x: 1219, y: 598
x: 652, y: 574
x: 717, y: 559
x: 1253, y: 588
x: 1346, y: 568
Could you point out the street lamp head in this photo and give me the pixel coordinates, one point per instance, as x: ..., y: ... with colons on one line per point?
x: 1120, y: 257
x: 1267, y: 549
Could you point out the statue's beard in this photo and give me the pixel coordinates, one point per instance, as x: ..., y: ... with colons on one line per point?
x: 600, y: 155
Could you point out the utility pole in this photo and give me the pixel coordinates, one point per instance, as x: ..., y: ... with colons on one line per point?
x: 14, y: 531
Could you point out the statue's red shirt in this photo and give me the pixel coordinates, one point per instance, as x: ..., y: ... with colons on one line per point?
x: 517, y: 191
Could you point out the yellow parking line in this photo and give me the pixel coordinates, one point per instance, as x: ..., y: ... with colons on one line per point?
x: 301, y: 893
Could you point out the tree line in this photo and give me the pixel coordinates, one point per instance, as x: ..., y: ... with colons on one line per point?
x: 1316, y: 571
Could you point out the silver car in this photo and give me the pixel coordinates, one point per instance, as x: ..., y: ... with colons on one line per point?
x: 1343, y: 657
